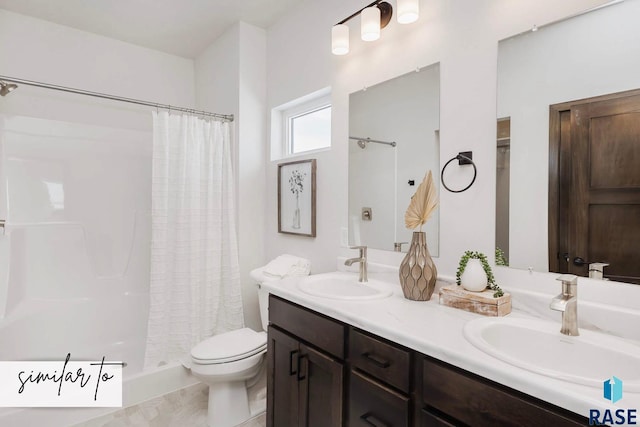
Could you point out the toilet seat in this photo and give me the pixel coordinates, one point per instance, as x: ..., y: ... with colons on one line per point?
x: 229, y: 347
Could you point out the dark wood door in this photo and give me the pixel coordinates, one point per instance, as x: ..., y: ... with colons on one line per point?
x: 320, y: 388
x: 599, y: 187
x: 282, y: 383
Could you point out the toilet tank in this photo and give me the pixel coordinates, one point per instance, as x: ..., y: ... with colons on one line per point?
x: 263, y: 302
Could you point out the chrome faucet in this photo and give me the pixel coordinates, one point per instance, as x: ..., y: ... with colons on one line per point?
x: 362, y: 259
x: 567, y: 303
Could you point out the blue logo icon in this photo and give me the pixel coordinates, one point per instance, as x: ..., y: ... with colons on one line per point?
x: 612, y: 389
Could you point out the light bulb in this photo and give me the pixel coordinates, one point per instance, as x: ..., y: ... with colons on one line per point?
x: 370, y: 25
x: 340, y: 39
x: 408, y: 11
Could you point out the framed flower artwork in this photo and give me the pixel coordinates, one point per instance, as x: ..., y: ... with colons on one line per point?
x: 297, y: 198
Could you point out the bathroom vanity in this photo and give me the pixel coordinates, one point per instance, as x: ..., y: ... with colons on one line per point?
x: 336, y: 369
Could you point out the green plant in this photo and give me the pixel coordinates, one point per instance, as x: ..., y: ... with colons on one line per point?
x: 501, y: 259
x: 491, y: 281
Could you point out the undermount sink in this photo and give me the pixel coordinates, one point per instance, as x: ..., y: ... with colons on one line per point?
x: 538, y: 346
x: 344, y: 286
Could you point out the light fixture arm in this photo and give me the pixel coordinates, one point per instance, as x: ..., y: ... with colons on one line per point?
x: 360, y: 11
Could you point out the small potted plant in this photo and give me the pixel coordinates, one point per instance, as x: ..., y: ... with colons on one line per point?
x: 475, y: 274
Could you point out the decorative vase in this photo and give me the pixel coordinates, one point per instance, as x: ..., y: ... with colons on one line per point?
x: 296, y: 215
x: 418, y: 273
x: 474, y: 278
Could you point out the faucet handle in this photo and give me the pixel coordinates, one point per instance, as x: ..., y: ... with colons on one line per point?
x: 362, y: 249
x: 569, y: 279
x: 397, y: 246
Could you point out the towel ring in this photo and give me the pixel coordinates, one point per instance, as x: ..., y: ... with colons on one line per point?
x: 463, y: 159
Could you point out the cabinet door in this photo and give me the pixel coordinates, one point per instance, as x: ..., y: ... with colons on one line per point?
x: 320, y: 387
x: 282, y: 384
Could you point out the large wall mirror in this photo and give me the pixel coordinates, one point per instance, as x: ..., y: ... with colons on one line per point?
x: 393, y: 142
x: 568, y: 148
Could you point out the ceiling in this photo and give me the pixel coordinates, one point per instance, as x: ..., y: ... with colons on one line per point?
x: 179, y: 27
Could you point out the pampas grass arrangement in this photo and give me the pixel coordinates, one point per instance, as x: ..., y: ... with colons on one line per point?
x: 423, y: 203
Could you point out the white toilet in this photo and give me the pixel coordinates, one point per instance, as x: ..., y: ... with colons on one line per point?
x: 225, y: 362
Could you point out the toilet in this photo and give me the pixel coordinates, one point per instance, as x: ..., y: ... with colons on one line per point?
x: 225, y: 362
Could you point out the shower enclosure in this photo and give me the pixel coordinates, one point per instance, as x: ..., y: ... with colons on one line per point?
x: 75, y: 205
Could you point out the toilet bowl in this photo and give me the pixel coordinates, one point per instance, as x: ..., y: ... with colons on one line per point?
x: 225, y: 362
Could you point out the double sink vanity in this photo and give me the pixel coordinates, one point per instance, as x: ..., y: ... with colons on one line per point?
x: 343, y: 352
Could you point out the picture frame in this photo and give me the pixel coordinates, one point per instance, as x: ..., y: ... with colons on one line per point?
x: 297, y: 198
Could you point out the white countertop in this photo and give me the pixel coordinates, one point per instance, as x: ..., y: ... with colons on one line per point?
x: 437, y: 331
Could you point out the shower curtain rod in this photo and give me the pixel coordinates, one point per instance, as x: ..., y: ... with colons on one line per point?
x: 227, y: 117
x: 377, y: 141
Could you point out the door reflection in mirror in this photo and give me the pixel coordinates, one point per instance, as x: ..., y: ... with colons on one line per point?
x: 580, y: 59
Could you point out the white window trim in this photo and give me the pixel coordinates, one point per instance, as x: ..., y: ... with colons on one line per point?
x: 299, y: 110
x: 280, y: 116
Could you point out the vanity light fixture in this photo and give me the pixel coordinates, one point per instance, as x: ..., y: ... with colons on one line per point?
x: 370, y: 24
x: 408, y: 11
x: 340, y: 39
x: 374, y: 17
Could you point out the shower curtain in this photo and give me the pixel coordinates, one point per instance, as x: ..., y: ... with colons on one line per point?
x: 195, y: 278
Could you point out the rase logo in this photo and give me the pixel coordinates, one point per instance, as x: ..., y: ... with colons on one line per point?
x: 612, y: 391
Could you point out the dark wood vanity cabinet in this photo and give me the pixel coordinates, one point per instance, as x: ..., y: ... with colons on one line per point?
x: 305, y: 382
x: 323, y: 373
x: 461, y: 398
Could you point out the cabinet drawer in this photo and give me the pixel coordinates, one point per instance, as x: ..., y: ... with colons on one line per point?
x: 475, y: 401
x: 308, y: 325
x: 373, y: 405
x: 386, y: 362
x: 432, y: 420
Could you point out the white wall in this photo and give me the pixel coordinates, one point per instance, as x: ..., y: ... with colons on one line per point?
x: 601, y: 62
x: 34, y: 49
x: 230, y: 77
x: 462, y: 35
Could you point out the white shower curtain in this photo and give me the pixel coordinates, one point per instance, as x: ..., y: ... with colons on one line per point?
x: 195, y: 278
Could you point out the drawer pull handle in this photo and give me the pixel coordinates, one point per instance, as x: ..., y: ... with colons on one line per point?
x: 303, y: 367
x: 376, y: 360
x: 292, y: 355
x: 372, y: 420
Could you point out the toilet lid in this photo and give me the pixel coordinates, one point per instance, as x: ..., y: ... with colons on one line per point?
x: 229, y: 346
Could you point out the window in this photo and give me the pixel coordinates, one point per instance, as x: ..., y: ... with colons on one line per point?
x: 302, y: 125
x: 310, y: 130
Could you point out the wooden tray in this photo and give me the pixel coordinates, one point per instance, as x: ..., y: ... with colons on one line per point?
x: 475, y: 302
